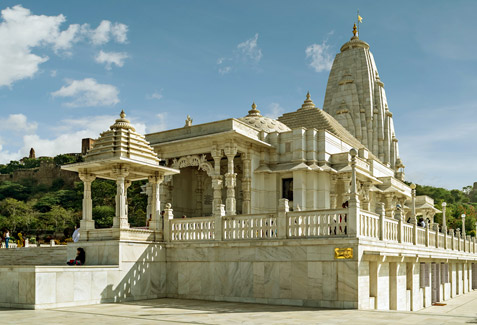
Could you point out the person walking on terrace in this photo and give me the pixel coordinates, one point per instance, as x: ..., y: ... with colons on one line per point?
x: 7, y: 238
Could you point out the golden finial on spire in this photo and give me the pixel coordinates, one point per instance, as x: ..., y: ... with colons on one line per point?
x: 122, y: 114
x: 355, y: 31
x: 254, y: 111
x: 308, y: 95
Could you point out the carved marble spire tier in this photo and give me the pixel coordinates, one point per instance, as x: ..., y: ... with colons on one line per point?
x: 355, y: 97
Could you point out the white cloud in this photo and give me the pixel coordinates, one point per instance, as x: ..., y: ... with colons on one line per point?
x: 159, y: 125
x: 225, y: 70
x: 320, y: 56
x: 17, y: 123
x: 105, y: 31
x: 119, y: 32
x: 246, y: 53
x: 21, y: 32
x: 274, y: 110
x: 88, y: 92
x: 66, y: 38
x: 110, y: 58
x: 155, y: 95
x: 250, y: 49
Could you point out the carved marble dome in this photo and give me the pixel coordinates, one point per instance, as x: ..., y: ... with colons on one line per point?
x: 267, y: 124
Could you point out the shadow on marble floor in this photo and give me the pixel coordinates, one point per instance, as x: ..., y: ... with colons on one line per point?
x: 216, y: 307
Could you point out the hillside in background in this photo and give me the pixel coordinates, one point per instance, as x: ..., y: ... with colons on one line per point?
x: 52, y: 209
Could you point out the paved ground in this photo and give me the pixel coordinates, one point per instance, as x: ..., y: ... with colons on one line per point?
x: 461, y: 310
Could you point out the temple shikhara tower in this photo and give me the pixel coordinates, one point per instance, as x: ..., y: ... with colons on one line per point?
x: 355, y: 97
x: 308, y: 209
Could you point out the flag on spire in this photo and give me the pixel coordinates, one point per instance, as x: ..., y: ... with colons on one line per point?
x: 360, y: 19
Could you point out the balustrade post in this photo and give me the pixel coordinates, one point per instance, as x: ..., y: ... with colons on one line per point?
x: 463, y: 225
x: 473, y: 244
x: 382, y: 220
x: 353, y: 206
x: 400, y: 218
x: 168, y: 216
x: 427, y: 233
x: 457, y: 233
x: 413, y: 203
x: 282, y: 220
x: 451, y: 233
x: 414, y: 231
x: 444, y: 221
x: 219, y: 225
x: 436, y: 228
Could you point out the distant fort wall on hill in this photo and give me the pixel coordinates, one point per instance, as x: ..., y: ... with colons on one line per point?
x: 48, y: 171
x: 45, y: 174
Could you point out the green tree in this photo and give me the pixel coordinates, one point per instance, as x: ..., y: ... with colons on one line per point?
x: 103, y: 216
x: 17, y: 215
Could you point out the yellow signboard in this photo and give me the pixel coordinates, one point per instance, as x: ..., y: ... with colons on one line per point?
x: 343, y: 253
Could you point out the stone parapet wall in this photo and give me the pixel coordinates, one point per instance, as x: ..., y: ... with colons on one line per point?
x: 140, y: 275
x: 34, y: 256
x: 287, y: 272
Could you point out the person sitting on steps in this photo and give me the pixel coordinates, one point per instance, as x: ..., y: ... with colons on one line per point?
x: 80, y: 257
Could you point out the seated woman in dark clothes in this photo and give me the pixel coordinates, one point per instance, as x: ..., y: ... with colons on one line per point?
x: 80, y: 257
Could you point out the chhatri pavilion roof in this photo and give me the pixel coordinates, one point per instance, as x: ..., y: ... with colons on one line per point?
x: 122, y: 140
x: 267, y: 124
x: 121, y: 147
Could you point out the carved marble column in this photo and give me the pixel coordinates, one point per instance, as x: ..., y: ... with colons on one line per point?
x: 346, y: 179
x: 156, y: 222
x: 121, y: 218
x: 87, y: 221
x: 389, y: 205
x: 217, y: 181
x: 333, y: 194
x: 354, y: 204
x: 149, y: 200
x: 246, y: 183
x: 364, y: 194
x: 198, y: 194
x: 230, y: 181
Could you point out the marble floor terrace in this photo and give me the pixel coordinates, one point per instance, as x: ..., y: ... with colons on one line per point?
x: 461, y: 310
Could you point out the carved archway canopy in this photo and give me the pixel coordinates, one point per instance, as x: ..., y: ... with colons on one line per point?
x: 192, y: 161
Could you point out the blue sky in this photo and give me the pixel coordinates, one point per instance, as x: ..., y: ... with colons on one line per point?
x: 68, y: 68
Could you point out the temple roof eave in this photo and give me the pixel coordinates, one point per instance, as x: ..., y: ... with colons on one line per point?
x: 102, y: 168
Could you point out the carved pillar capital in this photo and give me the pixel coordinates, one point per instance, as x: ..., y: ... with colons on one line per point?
x: 86, y: 177
x: 157, y: 179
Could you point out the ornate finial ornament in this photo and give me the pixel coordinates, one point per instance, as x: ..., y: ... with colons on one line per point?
x: 355, y: 30
x: 254, y: 111
x: 188, y: 121
x: 308, y: 102
x: 122, y: 123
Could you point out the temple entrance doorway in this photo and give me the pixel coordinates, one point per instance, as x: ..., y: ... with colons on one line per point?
x: 192, y: 193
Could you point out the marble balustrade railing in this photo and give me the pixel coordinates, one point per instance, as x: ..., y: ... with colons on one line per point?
x: 316, y: 223
x: 392, y: 230
x: 369, y: 224
x: 254, y: 226
x: 192, y: 229
x: 312, y: 224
